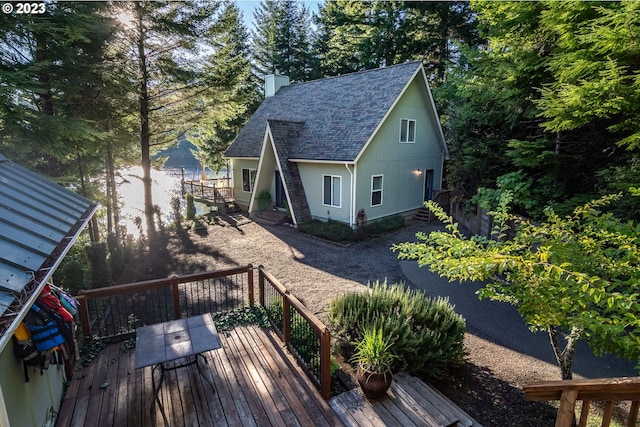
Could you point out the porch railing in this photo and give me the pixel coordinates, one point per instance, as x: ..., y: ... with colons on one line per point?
x: 116, y: 311
x: 568, y: 392
x: 211, y: 193
x: 306, y: 337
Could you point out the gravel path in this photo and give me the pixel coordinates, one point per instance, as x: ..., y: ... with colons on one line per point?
x: 313, y: 269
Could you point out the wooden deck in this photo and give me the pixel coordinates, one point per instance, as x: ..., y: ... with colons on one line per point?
x: 256, y: 384
x: 409, y: 402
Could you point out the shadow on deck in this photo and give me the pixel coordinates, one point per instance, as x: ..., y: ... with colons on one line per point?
x: 256, y: 384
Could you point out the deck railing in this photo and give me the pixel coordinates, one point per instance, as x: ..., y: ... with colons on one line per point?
x: 208, y: 192
x: 306, y: 337
x: 607, y: 390
x: 117, y: 310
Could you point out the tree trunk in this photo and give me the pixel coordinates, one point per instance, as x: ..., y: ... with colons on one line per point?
x: 113, y: 212
x: 564, y: 356
x: 94, y: 234
x: 145, y: 142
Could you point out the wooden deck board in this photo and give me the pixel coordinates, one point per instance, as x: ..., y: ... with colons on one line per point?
x: 252, y: 387
x: 252, y: 381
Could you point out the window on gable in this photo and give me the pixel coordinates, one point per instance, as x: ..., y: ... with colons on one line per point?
x: 248, y: 179
x: 407, y: 130
x: 331, y: 186
x: 376, y: 190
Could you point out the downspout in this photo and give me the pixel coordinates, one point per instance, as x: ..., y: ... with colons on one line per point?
x: 352, y: 202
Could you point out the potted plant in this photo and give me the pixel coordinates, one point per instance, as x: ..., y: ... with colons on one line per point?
x: 374, y: 358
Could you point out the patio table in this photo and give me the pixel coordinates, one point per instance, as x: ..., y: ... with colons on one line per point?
x: 159, y: 344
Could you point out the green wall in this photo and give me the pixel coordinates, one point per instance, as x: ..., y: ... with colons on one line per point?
x: 311, y: 175
x: 242, y: 197
x: 403, y: 186
x: 29, y: 403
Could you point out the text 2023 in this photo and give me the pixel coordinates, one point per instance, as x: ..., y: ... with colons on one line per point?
x: 29, y: 8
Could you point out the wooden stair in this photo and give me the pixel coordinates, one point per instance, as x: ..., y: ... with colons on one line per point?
x: 409, y: 402
x: 423, y: 214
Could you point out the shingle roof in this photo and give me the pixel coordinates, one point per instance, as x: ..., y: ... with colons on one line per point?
x: 285, y: 138
x: 39, y: 221
x: 340, y: 113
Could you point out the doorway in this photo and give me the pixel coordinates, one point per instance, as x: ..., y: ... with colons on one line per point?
x: 428, y: 184
x: 281, y: 198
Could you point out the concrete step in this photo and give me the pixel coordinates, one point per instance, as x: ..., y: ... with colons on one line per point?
x: 270, y: 217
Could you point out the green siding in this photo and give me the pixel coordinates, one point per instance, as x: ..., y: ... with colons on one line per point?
x: 28, y: 403
x: 311, y: 175
x: 403, y: 188
x: 241, y: 197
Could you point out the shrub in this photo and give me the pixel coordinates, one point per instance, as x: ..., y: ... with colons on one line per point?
x: 330, y: 230
x: 426, y: 334
x: 384, y: 225
x: 191, y: 206
x: 340, y: 232
x: 263, y: 200
x: 100, y: 270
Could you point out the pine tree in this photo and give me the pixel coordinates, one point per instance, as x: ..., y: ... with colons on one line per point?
x: 231, y: 94
x: 158, y: 46
x: 357, y: 35
x: 51, y: 86
x: 282, y: 40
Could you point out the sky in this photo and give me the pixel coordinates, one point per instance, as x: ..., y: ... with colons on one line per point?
x: 248, y: 6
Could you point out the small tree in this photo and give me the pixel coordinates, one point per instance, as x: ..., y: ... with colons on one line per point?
x: 577, y: 277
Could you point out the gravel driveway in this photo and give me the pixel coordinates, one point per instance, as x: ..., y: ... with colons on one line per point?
x: 315, y: 271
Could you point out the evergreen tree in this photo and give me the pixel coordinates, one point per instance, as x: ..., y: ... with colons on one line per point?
x: 51, y: 87
x: 231, y: 94
x: 543, y: 107
x: 282, y: 40
x: 158, y: 46
x: 53, y: 107
x: 356, y: 35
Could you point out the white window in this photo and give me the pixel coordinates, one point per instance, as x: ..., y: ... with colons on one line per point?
x: 376, y: 190
x: 248, y: 179
x: 407, y: 130
x: 331, y: 186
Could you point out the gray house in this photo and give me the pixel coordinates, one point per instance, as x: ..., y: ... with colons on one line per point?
x: 39, y: 222
x: 328, y: 149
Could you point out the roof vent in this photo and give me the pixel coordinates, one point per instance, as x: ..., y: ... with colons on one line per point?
x: 273, y: 83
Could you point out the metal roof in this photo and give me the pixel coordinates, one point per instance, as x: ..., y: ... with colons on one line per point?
x: 39, y: 221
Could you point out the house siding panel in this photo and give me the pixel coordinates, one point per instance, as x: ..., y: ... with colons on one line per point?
x: 398, y: 162
x: 241, y: 197
x: 311, y: 175
x: 44, y: 391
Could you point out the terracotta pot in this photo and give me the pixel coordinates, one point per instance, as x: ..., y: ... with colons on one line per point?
x: 374, y: 385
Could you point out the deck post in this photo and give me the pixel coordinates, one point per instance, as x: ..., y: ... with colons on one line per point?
x: 325, y: 364
x: 176, y: 297
x: 261, y: 284
x: 286, y: 320
x: 83, y: 311
x: 566, y: 409
x: 252, y: 299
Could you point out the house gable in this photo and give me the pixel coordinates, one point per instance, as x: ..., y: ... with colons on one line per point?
x: 405, y: 166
